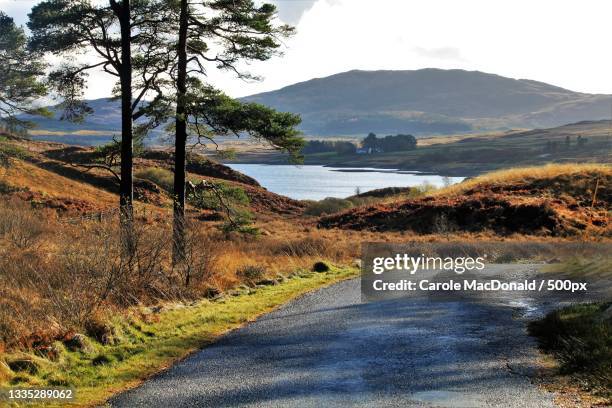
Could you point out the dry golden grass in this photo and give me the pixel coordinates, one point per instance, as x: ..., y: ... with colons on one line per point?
x: 58, y: 276
x: 520, y: 174
x: 21, y: 174
x: 571, y: 200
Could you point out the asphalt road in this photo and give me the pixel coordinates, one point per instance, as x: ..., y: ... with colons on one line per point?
x: 329, y: 349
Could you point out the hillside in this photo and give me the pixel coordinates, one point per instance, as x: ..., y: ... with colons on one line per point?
x: 556, y: 200
x: 50, y: 175
x: 430, y: 101
x: 474, y: 153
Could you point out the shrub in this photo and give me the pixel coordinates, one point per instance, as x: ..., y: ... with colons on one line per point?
x: 580, y: 337
x: 201, y: 258
x: 421, y: 190
x: 320, y: 267
x: 328, y: 205
x: 251, y: 273
x: 307, y: 246
x: 162, y: 177
x: 218, y: 196
x: 20, y: 226
x: 58, y: 277
x: 239, y: 221
x: 228, y: 200
x: 9, y: 150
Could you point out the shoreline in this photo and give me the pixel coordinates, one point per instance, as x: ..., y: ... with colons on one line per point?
x: 379, y: 168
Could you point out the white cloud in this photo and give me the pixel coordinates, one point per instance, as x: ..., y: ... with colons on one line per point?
x: 562, y: 42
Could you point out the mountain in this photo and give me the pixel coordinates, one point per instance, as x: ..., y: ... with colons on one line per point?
x: 426, y: 101
x: 430, y: 101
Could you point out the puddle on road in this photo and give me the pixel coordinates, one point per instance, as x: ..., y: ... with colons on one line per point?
x: 440, y: 398
x: 526, y: 307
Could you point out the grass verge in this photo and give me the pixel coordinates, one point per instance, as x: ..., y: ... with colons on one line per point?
x: 150, y: 342
x: 580, y: 338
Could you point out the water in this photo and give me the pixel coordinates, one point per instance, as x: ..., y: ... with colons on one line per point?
x: 318, y: 182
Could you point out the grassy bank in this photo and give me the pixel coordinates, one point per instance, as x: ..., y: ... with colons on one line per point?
x: 580, y: 338
x: 149, y: 340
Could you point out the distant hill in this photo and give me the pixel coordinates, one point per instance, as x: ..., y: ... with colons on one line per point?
x: 97, y: 128
x: 106, y: 116
x: 430, y: 101
x: 426, y: 101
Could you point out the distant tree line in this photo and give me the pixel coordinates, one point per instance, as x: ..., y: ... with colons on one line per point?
x: 323, y: 146
x: 390, y: 143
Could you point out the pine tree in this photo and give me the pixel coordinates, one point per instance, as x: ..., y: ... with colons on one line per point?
x: 109, y: 32
x: 20, y: 72
x: 222, y: 33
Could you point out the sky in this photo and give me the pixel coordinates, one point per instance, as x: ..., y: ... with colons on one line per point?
x: 561, y: 42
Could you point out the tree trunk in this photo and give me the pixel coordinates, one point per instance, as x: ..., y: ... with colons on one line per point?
x: 126, y: 190
x: 179, y: 236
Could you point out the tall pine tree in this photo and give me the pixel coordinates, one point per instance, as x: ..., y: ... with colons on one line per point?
x: 222, y: 34
x: 108, y: 33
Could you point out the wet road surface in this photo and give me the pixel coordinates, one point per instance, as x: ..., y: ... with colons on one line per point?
x: 329, y: 349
